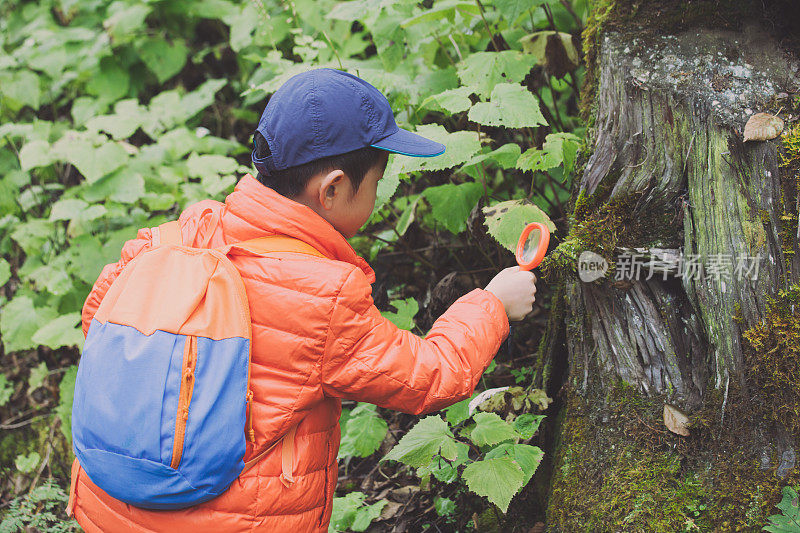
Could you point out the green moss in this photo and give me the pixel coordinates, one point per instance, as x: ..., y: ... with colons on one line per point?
x: 604, y: 482
x: 772, y: 354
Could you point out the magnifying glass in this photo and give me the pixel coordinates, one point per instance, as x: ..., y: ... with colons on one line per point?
x: 532, y: 245
x: 531, y: 248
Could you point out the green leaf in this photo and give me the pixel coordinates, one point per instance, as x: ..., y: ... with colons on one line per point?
x: 511, y: 106
x: 559, y: 148
x: 66, y: 392
x: 789, y: 519
x: 537, y: 43
x: 406, y: 311
x: 363, y: 433
x: 430, y: 436
x: 444, y: 9
x: 19, y: 320
x: 61, y: 332
x: 458, y: 412
x: 497, y: 479
x: 162, y: 58
x: 366, y: 514
x: 20, y: 88
x: 203, y: 166
x: 67, y: 209
x: 491, y: 429
x: 506, y: 220
x: 93, y: 162
x: 27, y: 463
x: 527, y: 424
x: 125, y: 18
x: 460, y: 147
x: 5, y: 272
x: 111, y: 82
x: 37, y: 376
x: 444, y: 506
x: 35, y: 154
x: 527, y: 457
x: 407, y: 218
x: 450, y: 101
x: 512, y: 9
x: 504, y: 157
x: 482, y: 71
x: 6, y: 389
x: 451, y: 204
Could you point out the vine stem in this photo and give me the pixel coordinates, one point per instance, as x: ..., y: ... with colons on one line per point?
x: 486, y: 24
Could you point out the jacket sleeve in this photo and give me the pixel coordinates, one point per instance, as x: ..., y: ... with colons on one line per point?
x: 131, y: 249
x: 367, y: 358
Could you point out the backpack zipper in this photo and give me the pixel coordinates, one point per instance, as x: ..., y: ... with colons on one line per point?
x: 184, y: 397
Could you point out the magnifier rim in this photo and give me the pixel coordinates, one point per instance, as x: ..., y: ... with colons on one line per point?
x: 544, y: 241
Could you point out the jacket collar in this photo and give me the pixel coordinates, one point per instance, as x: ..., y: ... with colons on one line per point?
x: 273, y: 214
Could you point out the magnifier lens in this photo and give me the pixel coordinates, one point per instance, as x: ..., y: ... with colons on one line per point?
x: 531, y: 245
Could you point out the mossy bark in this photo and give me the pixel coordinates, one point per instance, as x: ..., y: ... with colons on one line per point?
x: 669, y: 176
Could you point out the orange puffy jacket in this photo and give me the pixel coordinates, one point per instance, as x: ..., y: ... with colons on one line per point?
x: 317, y: 339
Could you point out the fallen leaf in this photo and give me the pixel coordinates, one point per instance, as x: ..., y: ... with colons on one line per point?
x: 762, y: 127
x: 676, y: 420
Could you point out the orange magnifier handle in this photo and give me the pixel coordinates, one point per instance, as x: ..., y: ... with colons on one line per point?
x: 532, y: 245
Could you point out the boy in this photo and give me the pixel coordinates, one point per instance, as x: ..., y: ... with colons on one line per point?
x: 321, y: 146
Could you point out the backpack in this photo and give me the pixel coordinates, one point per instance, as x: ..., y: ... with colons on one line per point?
x: 160, y: 416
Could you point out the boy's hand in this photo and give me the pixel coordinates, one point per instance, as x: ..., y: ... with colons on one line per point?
x: 516, y: 289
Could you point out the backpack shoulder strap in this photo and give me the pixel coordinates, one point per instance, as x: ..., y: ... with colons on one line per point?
x: 271, y: 244
x: 167, y: 233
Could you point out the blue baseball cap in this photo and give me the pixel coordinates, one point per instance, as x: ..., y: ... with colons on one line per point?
x: 326, y: 112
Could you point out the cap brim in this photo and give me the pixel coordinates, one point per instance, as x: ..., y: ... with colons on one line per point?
x: 405, y: 142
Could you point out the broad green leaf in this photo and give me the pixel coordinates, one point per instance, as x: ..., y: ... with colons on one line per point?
x: 458, y: 412
x: 128, y: 116
x: 32, y: 234
x: 491, y: 429
x: 459, y: 147
x: 444, y: 470
x: 125, y: 18
x: 444, y: 506
x: 527, y: 424
x: 430, y: 436
x: 366, y: 514
x: 63, y: 331
x: 512, y: 9
x: 37, y: 376
x: 527, y: 457
x: 35, y: 154
x: 504, y: 157
x: 451, y: 204
x: 363, y: 433
x: 511, y: 105
x: 93, y: 162
x: 67, y: 209
x: 124, y: 185
x: 506, y: 220
x: 162, y: 58
x: 20, y: 88
x: 482, y: 71
x: 27, y: 463
x: 403, y: 318
x: 6, y: 389
x: 789, y: 519
x: 66, y: 392
x: 19, y: 320
x: 5, y: 272
x: 111, y: 82
x: 444, y: 9
x: 450, y: 101
x: 559, y: 148
x: 210, y: 165
x: 497, y: 479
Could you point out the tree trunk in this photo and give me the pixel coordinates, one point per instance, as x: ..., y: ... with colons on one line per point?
x: 669, y: 184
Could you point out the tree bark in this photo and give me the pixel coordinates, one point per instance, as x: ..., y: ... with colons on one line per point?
x: 669, y: 177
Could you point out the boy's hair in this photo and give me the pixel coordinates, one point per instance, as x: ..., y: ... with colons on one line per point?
x: 292, y: 181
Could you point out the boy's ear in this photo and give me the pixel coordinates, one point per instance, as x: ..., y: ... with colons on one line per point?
x: 331, y: 187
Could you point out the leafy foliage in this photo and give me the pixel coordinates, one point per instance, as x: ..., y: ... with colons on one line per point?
x: 363, y: 432
x: 350, y: 513
x: 789, y: 519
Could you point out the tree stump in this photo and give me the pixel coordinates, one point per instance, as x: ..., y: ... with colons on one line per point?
x: 670, y: 188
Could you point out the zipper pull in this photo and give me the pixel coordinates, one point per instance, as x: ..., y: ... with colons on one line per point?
x: 251, y: 435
